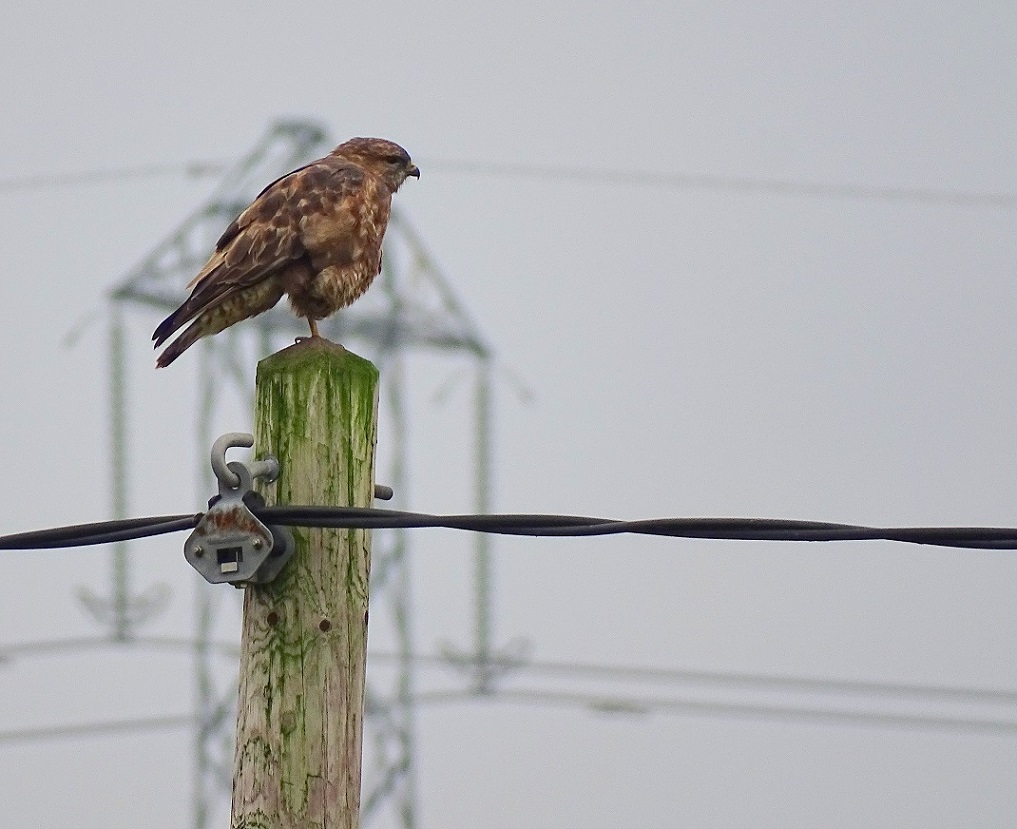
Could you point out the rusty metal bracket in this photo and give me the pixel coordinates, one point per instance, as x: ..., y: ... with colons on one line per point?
x: 230, y: 545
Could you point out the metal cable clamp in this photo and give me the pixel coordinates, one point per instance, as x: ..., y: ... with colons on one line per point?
x: 230, y: 545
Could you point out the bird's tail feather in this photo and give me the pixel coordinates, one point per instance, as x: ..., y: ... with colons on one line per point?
x: 179, y: 345
x: 167, y: 327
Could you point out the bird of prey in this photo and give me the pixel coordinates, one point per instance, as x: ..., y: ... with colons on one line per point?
x: 314, y: 234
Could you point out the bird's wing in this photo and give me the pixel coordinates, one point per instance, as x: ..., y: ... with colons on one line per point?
x: 313, y: 213
x: 256, y: 245
x: 263, y: 205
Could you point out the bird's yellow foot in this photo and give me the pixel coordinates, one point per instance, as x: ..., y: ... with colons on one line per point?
x: 314, y: 331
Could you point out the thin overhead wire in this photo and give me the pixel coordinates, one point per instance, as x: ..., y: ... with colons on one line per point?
x: 727, y: 681
x: 774, y: 683
x: 736, y: 184
x: 595, y: 702
x: 554, y: 172
x: 44, y: 181
x: 831, y: 701
x: 990, y: 726
x: 95, y: 729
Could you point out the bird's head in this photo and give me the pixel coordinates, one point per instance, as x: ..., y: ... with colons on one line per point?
x: 385, y: 159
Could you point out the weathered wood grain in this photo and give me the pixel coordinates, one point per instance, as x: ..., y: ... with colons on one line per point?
x: 301, y: 697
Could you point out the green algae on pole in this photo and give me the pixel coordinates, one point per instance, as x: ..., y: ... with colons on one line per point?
x: 301, y: 699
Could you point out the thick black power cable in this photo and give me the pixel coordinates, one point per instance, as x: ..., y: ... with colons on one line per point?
x: 743, y: 529
x: 102, y: 532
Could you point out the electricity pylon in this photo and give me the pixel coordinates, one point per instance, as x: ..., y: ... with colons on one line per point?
x: 410, y: 308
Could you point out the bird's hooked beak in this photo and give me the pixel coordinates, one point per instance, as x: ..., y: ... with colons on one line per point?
x: 413, y: 170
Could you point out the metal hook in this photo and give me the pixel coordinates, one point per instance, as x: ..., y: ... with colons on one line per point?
x: 267, y: 469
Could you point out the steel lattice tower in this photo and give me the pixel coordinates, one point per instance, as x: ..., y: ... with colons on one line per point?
x: 410, y: 308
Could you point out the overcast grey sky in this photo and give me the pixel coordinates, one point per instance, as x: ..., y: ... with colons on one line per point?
x: 691, y: 351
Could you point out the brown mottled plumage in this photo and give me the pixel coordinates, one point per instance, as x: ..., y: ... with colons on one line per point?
x: 314, y: 235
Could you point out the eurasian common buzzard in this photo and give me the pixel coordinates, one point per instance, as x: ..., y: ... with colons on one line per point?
x: 314, y: 235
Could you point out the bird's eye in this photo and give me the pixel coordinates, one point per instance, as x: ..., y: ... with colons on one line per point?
x: 395, y: 159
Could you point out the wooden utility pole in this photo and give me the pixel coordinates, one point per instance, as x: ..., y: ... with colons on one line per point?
x: 301, y: 700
